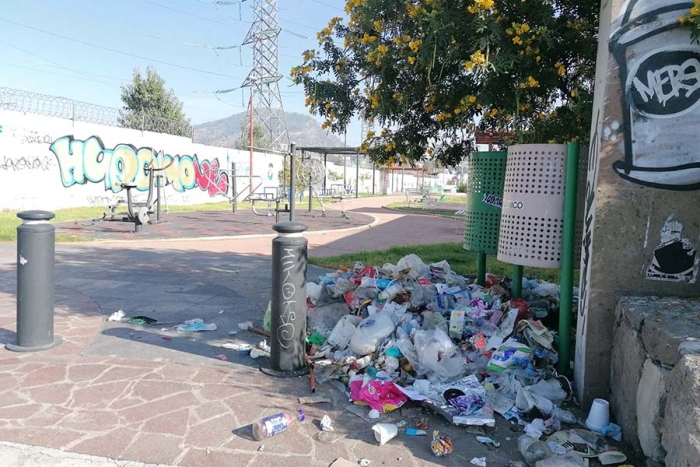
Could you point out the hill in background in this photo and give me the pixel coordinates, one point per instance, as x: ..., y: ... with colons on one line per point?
x: 302, y: 129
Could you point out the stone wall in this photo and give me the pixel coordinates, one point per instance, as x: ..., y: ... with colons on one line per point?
x: 655, y: 385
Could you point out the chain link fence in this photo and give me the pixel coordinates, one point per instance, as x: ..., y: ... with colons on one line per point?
x: 52, y: 106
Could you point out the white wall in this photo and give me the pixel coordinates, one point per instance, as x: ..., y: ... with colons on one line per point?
x: 50, y: 163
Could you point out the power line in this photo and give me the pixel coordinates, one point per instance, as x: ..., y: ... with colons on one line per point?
x: 57, y: 65
x: 204, y: 18
x: 57, y: 74
x: 184, y: 67
x: 130, y: 31
x: 328, y: 5
x: 223, y: 2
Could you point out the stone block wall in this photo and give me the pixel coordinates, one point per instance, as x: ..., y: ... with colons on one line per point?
x: 655, y: 377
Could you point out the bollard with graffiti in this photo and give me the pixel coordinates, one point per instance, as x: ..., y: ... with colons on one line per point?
x: 89, y: 161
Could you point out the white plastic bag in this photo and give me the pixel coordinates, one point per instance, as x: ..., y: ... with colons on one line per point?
x: 343, y: 332
x: 550, y: 389
x: 370, y: 333
x: 438, y: 358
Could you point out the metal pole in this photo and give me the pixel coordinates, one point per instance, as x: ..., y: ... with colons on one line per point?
x: 289, y: 253
x: 357, y: 175
x: 374, y: 171
x: 158, y: 181
x: 251, y: 143
x: 567, y: 255
x: 481, y: 269
x: 292, y: 177
x: 325, y: 164
x: 517, y: 286
x: 36, y: 247
x: 233, y: 187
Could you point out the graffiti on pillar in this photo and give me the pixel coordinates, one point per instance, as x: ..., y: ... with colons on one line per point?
x: 286, y: 330
x: 675, y: 259
x: 89, y: 161
x: 659, y: 72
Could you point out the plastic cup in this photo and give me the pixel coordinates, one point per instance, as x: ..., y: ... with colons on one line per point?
x: 599, y: 416
x: 383, y: 432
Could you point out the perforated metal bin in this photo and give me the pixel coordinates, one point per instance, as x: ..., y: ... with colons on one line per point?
x: 485, y: 176
x: 532, y: 218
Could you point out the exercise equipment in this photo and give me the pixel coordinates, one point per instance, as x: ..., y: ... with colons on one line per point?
x: 139, y: 213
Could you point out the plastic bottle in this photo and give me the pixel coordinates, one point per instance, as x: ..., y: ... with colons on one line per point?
x: 275, y: 424
x: 533, y: 450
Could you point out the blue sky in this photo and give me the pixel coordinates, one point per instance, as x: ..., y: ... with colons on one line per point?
x: 172, y: 31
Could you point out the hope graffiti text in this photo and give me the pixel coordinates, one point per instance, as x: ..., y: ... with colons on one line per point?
x: 83, y: 161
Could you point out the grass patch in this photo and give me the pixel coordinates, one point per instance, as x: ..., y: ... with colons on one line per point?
x: 461, y: 261
x: 435, y: 211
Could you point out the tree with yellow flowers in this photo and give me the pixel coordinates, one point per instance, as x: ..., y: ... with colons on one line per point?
x: 430, y: 73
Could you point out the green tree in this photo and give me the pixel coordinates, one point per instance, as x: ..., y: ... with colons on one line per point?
x: 148, y: 106
x: 260, y: 137
x: 433, y: 72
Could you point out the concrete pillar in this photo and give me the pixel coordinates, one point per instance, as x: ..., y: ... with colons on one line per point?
x: 641, y: 225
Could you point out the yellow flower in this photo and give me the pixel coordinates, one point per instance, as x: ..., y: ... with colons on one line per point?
x: 517, y: 40
x: 472, y: 99
x: 328, y: 105
x: 377, y: 25
x: 414, y: 45
x: 478, y: 57
x: 411, y: 60
x: 532, y: 82
x: 574, y: 93
x: 457, y: 111
x: 383, y: 49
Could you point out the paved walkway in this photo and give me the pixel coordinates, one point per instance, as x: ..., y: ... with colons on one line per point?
x: 151, y: 394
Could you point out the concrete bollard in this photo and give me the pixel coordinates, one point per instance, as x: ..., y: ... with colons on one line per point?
x: 36, y: 248
x: 287, y: 336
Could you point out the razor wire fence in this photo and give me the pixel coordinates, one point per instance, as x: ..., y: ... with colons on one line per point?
x: 17, y: 100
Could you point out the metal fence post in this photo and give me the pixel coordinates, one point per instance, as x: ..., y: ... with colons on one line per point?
x: 35, y: 283
x: 287, y: 336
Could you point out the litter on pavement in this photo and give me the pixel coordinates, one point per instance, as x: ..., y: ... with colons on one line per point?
x: 421, y: 333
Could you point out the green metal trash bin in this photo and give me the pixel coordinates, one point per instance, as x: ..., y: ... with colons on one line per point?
x: 486, y: 173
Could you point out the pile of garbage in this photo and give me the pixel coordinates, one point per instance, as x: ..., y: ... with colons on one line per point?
x: 418, y: 332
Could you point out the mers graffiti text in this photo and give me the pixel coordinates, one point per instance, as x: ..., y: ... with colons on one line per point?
x: 83, y: 161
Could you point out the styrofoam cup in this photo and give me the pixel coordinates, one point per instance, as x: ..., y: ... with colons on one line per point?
x: 599, y: 416
x: 383, y: 432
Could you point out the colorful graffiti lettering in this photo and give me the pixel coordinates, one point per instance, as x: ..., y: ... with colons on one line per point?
x: 83, y: 161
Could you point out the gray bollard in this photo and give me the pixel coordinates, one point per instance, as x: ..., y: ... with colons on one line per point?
x: 288, y: 330
x: 35, y: 282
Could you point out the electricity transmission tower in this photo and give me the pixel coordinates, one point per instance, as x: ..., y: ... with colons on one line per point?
x: 264, y: 78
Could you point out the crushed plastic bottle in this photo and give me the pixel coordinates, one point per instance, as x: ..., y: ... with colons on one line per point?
x: 275, y: 424
x: 533, y: 450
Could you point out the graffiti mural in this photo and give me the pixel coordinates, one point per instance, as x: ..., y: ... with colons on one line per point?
x: 659, y: 72
x: 89, y: 161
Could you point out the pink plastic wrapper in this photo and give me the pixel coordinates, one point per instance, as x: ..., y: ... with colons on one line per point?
x: 382, y: 396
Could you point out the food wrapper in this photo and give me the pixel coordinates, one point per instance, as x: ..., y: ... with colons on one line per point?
x: 440, y: 445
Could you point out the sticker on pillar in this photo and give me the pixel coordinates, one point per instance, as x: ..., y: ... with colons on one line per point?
x: 675, y: 259
x: 492, y: 200
x: 269, y: 171
x: 659, y: 70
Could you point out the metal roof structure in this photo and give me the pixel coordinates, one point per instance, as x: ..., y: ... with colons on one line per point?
x: 340, y: 151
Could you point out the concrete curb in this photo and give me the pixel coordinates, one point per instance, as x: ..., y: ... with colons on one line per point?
x: 23, y: 455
